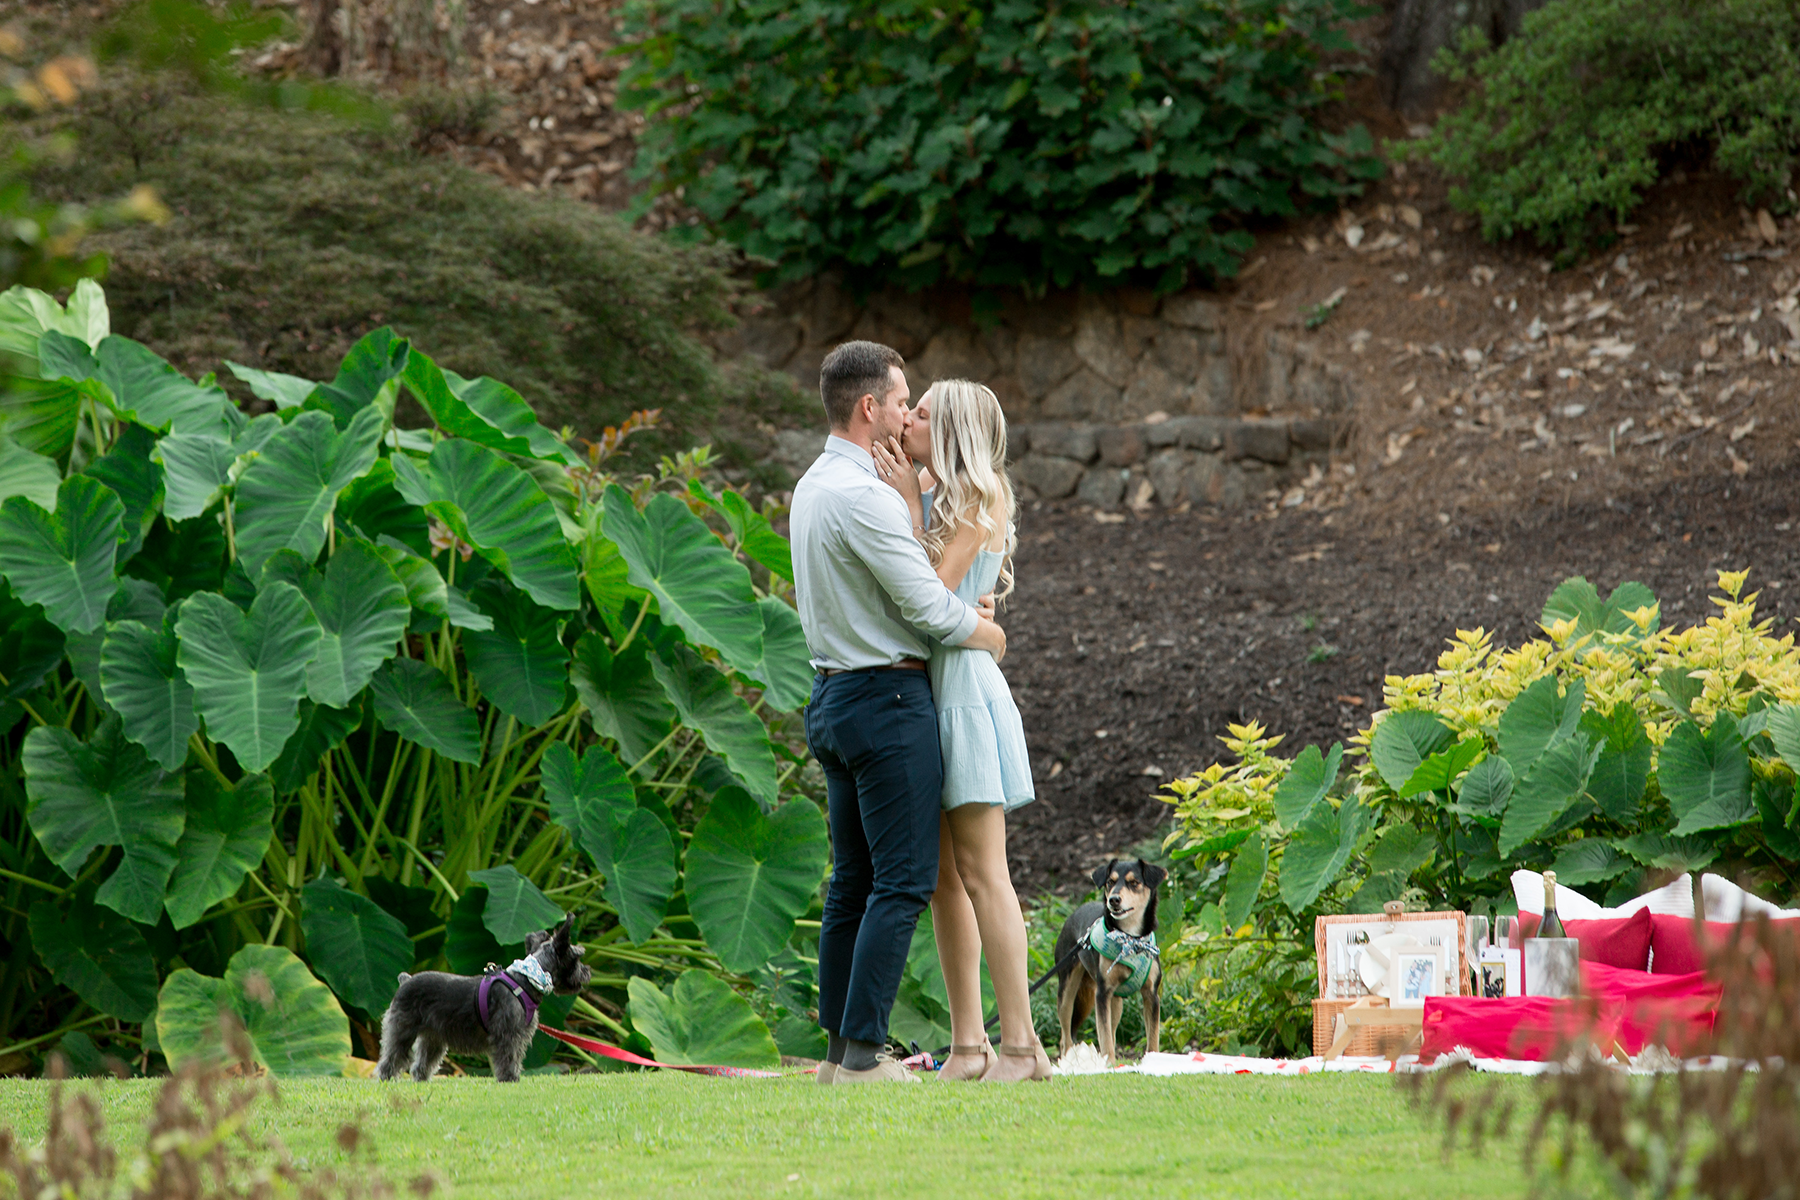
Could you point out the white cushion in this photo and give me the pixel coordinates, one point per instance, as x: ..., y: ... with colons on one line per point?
x: 1675, y: 899
x: 1726, y: 901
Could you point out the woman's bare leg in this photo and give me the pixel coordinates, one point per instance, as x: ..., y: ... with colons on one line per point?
x: 959, y: 954
x: 978, y: 840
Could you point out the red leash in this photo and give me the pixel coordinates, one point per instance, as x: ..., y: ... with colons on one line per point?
x: 637, y: 1060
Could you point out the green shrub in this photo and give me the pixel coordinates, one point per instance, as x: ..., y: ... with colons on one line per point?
x: 294, y: 234
x: 999, y: 142
x: 1571, y: 120
x: 318, y: 697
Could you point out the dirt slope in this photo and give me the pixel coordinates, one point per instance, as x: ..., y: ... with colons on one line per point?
x: 1131, y: 646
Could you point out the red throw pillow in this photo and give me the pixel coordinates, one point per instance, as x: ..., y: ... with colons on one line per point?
x: 1615, y: 942
x: 1677, y: 951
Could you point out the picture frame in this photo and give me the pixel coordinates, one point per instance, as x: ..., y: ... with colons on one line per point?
x: 1493, y: 978
x: 1418, y: 973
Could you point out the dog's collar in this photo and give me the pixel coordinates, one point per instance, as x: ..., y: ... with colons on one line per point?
x: 1135, y: 954
x: 530, y: 970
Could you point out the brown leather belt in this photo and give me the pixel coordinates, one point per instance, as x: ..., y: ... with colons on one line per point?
x: 905, y: 664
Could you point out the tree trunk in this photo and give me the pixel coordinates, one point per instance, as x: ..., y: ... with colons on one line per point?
x: 1422, y: 27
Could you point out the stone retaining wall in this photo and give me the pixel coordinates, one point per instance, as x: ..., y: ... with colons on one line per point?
x: 1114, y: 398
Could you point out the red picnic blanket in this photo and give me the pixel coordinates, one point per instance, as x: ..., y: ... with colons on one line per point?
x: 1619, y: 1007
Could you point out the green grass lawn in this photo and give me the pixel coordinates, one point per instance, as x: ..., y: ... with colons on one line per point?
x: 670, y: 1134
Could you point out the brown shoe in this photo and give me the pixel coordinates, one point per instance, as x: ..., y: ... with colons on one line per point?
x: 966, y: 1063
x: 827, y: 1071
x: 885, y: 1070
x: 1040, y: 1068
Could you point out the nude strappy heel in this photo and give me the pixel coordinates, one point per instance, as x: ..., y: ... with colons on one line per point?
x: 982, y: 1050
x: 1040, y: 1070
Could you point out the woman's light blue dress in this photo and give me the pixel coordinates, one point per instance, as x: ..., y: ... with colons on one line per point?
x: 979, y: 727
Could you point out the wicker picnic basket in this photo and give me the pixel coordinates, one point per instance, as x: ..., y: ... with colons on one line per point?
x: 1372, y: 1040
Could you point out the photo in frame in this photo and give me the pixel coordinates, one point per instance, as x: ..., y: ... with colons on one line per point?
x: 1417, y: 973
x: 1493, y: 978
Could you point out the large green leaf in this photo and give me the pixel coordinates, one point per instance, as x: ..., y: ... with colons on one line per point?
x: 1666, y: 853
x: 621, y: 694
x: 608, y: 578
x: 1405, y: 739
x: 483, y: 410
x: 26, y: 313
x: 1438, y: 772
x: 30, y: 646
x: 40, y: 414
x: 1538, y: 718
x: 1306, y: 784
x: 128, y: 470
x: 1589, y: 860
x: 295, y: 1025
x: 367, y: 379
x: 701, y: 1022
x: 23, y: 473
x: 197, y: 464
x: 1244, y: 881
x: 515, y: 905
x: 61, y: 356
x: 752, y: 531
x: 468, y: 945
x: 415, y: 701
x: 1784, y: 732
x: 1486, y: 790
x: 1705, y: 776
x: 1774, y: 800
x: 98, y: 954
x: 362, y: 610
x: 149, y: 391
x: 1576, y: 599
x: 105, y: 792
x: 627, y: 844
x: 1316, y: 854
x: 321, y: 729
x: 498, y: 509
x: 225, y: 837
x: 63, y: 560
x: 248, y: 670
x: 286, y: 495
x: 1400, y: 850
x: 520, y: 663
x: 283, y: 391
x: 786, y: 670
x: 373, y: 506
x: 705, y: 701
x: 144, y: 685
x: 1556, y: 780
x: 355, y: 944
x: 1623, y: 768
x: 750, y: 875
x: 697, y: 583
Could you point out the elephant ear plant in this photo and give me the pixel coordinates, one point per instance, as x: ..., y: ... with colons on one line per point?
x: 295, y: 699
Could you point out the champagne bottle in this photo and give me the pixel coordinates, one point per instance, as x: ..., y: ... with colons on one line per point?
x: 1551, y: 926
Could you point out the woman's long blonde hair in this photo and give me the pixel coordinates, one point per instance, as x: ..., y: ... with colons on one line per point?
x: 968, y: 453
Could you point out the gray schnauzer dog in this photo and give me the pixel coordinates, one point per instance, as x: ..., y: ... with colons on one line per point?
x: 494, y: 1014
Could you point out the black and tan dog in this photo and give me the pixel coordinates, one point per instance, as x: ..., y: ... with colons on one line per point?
x: 1116, y: 935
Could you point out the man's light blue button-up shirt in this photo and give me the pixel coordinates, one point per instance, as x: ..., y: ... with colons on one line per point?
x: 865, y: 590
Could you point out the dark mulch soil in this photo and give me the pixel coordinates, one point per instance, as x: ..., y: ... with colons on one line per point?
x: 1131, y: 646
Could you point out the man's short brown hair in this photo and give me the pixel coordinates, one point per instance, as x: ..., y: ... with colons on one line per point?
x: 852, y: 371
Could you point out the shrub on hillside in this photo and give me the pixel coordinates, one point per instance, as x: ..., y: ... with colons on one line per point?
x: 1570, y: 121
x: 294, y: 234
x: 998, y: 142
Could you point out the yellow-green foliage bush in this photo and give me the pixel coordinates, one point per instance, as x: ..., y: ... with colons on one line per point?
x: 1609, y: 748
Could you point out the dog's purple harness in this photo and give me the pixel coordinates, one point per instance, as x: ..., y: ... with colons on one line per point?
x: 504, y: 979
